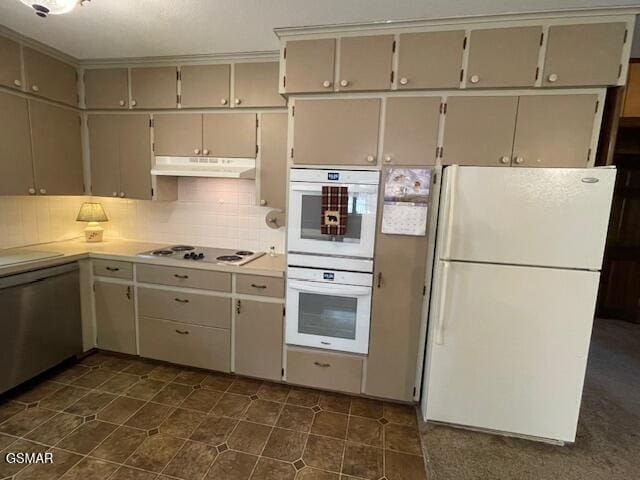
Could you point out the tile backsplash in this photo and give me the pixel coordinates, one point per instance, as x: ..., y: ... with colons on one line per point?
x: 213, y: 212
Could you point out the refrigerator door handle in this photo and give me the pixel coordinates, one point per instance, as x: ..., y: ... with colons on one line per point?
x: 451, y: 202
x: 442, y: 301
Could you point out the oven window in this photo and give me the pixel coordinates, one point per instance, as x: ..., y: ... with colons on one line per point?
x: 311, y: 214
x: 327, y: 315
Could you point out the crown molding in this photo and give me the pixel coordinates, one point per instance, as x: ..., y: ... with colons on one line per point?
x: 36, y: 45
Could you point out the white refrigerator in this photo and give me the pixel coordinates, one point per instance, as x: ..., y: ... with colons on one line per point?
x: 518, y: 259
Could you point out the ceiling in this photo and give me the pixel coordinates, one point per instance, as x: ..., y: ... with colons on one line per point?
x: 143, y: 28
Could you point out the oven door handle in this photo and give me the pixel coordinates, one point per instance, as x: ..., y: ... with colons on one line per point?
x: 317, y: 187
x: 339, y: 290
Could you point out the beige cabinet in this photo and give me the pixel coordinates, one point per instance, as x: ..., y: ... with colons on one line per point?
x: 273, y: 160
x: 309, y: 65
x: 178, y: 134
x: 365, y: 63
x: 256, y: 85
x: 184, y: 277
x: 396, y: 313
x: 554, y: 130
x: 430, y: 59
x: 50, y: 78
x: 115, y: 319
x: 336, y: 131
x: 503, y: 57
x: 205, y: 86
x: 57, y: 150
x: 10, y: 70
x: 260, y: 285
x: 229, y: 135
x: 104, y: 139
x: 154, y: 87
x: 327, y: 370
x: 113, y: 269
x: 106, y: 88
x: 258, y: 339
x: 588, y: 54
x: 16, y: 168
x: 479, y: 130
x: 411, y: 130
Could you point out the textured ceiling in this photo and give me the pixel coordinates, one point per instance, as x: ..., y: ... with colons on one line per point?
x: 140, y: 28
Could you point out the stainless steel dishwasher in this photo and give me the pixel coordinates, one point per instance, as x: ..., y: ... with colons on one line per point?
x: 40, y: 322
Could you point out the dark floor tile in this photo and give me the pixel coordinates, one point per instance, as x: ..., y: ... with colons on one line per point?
x: 303, y: 397
x: 145, y: 389
x: 296, y: 418
x: 172, y: 394
x: 164, y: 373
x: 69, y: 374
x: 182, y: 423
x: 26, y: 420
x: 87, y: 437
x: 400, y: 414
x: 270, y: 469
x: 55, y: 429
x: 365, y: 430
x: 402, y: 438
x: 400, y: 466
x: 33, y: 392
x: 139, y: 367
x: 214, y: 430
x: 276, y: 392
x: 231, y: 405
x: 231, y: 465
x: 94, y: 359
x: 334, y: 402
x: 120, y: 444
x: 245, y: 386
x: 323, y: 453
x: 218, y: 381
x: 62, y: 461
x: 94, y: 378
x: 9, y: 469
x: 190, y: 377
x: 90, y: 469
x: 364, y: 407
x: 63, y: 398
x: 119, y: 383
x: 9, y: 408
x: 201, y: 400
x: 362, y: 461
x: 127, y: 473
x: 330, y: 424
x: 116, y: 364
x: 120, y: 410
x: 263, y: 411
x: 249, y: 437
x: 309, y: 473
x: 91, y: 403
x: 285, y: 445
x: 192, y: 461
x: 5, y: 441
x: 155, y: 452
x: 149, y: 416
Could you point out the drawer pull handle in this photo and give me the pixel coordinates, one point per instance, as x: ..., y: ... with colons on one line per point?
x: 258, y: 286
x: 181, y: 300
x: 129, y: 293
x: 238, y: 307
x: 182, y: 332
x: 184, y: 277
x: 323, y: 365
x: 325, y: 343
x: 113, y: 269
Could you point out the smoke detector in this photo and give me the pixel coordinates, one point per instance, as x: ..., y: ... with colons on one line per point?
x: 44, y: 8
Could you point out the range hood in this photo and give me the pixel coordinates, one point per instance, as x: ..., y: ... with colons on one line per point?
x: 205, y: 167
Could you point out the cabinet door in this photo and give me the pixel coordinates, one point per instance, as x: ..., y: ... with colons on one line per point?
x: 115, y: 322
x: 584, y: 54
x: 57, y: 150
x: 411, y: 130
x: 365, y: 63
x: 430, y: 59
x: 503, y: 57
x: 10, y: 75
x: 106, y: 88
x: 229, y: 135
x: 309, y: 65
x: 135, y: 157
x: 632, y: 92
x: 154, y: 87
x: 273, y: 160
x: 258, y: 339
x: 396, y: 312
x: 256, y: 85
x: 336, y: 132
x: 50, y: 78
x: 205, y: 86
x: 554, y: 130
x: 479, y: 131
x: 177, y: 134
x: 103, y: 150
x: 16, y: 169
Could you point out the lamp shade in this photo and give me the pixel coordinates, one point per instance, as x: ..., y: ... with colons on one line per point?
x: 92, y: 212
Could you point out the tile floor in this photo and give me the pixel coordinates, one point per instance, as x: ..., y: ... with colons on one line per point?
x: 109, y: 417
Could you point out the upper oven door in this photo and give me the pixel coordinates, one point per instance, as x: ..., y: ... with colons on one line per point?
x: 305, y: 212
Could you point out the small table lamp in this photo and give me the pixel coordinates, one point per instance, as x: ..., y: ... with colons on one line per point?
x: 92, y: 213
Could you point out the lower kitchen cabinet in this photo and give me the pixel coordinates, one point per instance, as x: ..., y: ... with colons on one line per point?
x: 16, y: 170
x: 328, y: 370
x: 258, y: 339
x: 115, y: 317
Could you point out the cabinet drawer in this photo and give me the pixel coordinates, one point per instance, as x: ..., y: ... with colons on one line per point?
x: 324, y: 370
x: 113, y: 268
x: 194, y: 308
x: 185, y: 277
x: 258, y: 285
x: 185, y: 344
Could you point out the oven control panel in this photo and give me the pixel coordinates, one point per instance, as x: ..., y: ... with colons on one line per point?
x: 330, y: 276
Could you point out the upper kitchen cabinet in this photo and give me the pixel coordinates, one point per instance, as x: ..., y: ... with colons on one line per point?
x: 632, y: 92
x: 57, y: 150
x: 10, y: 74
x: 554, y: 130
x: 177, y: 134
x: 479, y: 130
x: 104, y: 138
x: 273, y: 160
x: 229, y: 135
x: 336, y: 131
x: 309, y: 65
x: 50, y: 78
x: 430, y: 59
x: 256, y: 85
x: 503, y: 57
x: 205, y: 86
x: 583, y: 55
x: 16, y: 170
x: 154, y: 87
x: 365, y: 63
x: 106, y: 88
x: 411, y: 130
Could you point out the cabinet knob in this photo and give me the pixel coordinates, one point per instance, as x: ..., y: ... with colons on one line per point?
x: 263, y: 202
x: 121, y: 194
x: 519, y: 160
x: 223, y: 101
x: 474, y: 79
x: 205, y: 152
x: 326, y: 84
x: 504, y: 160
x: 17, y: 83
x: 32, y: 191
x: 43, y: 191
x: 196, y: 151
x: 133, y: 103
x: 115, y: 194
x: 35, y: 88
x: 122, y: 103
x: 387, y: 158
x: 404, y: 81
x: 344, y: 83
x: 237, y: 101
x: 371, y: 158
x: 552, y: 77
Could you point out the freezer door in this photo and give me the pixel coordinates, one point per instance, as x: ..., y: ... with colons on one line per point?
x: 508, y: 346
x: 555, y: 217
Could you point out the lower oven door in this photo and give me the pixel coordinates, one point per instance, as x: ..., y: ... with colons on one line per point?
x: 330, y: 316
